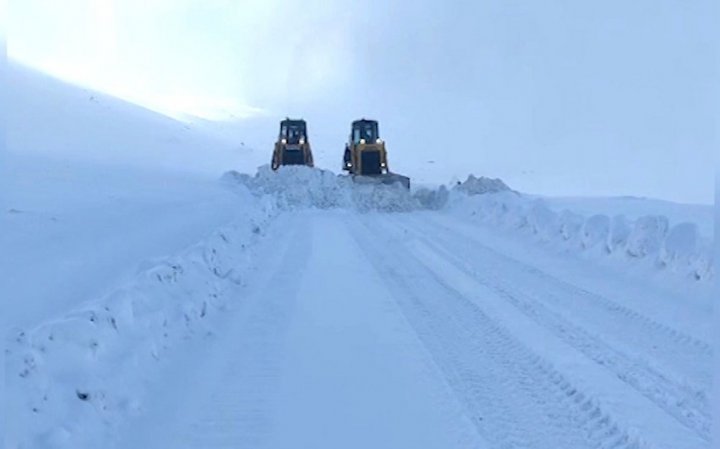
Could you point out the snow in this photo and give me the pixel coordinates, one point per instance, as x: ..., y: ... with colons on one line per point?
x: 91, y: 187
x: 651, y: 240
x: 96, y: 194
x: 476, y: 186
x: 154, y: 302
x: 620, y: 401
x: 295, y: 187
x: 634, y: 207
x: 299, y: 337
x: 83, y: 370
x: 52, y: 118
x: 75, y: 230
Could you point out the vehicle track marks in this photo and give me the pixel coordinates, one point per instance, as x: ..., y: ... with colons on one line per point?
x: 686, y: 403
x: 515, y: 398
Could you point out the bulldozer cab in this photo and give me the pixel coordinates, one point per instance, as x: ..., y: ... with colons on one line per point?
x: 364, y: 131
x: 293, y: 131
x: 292, y: 146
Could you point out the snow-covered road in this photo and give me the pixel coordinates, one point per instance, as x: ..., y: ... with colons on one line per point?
x: 409, y: 330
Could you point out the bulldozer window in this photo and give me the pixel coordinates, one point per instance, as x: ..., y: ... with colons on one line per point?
x: 293, y: 132
x: 367, y: 131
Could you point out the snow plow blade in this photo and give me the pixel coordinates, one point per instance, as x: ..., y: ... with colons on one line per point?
x: 385, y: 178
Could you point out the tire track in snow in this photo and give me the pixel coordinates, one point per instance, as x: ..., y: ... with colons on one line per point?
x: 355, y: 374
x: 685, y: 403
x: 238, y: 413
x: 625, y: 316
x: 516, y: 399
x: 231, y: 402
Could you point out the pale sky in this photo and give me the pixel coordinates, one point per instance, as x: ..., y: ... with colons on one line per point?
x: 561, y: 97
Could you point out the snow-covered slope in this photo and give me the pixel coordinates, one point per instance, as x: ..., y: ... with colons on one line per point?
x: 90, y: 186
x: 50, y: 117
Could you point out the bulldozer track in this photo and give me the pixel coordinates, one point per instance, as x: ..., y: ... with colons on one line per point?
x: 509, y: 391
x: 593, y: 299
x: 692, y: 356
x: 685, y: 402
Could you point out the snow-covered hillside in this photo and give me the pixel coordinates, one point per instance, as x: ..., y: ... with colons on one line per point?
x: 52, y: 118
x: 91, y: 187
x: 154, y: 302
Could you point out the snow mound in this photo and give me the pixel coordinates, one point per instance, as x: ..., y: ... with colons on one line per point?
x: 649, y: 239
x: 647, y: 236
x: 619, y: 234
x: 297, y: 187
x: 478, y: 186
x: 595, y: 231
x: 685, y: 250
x: 436, y: 199
x: 71, y: 381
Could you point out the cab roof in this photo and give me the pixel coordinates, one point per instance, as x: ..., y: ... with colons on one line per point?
x: 364, y: 121
x: 289, y: 121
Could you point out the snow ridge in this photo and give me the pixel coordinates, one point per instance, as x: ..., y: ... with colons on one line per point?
x: 650, y: 239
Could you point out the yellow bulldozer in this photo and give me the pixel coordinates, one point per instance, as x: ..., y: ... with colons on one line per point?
x: 292, y: 146
x: 366, y: 157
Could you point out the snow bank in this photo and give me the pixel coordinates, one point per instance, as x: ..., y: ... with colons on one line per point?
x: 72, y: 380
x: 650, y: 239
x: 635, y: 207
x: 294, y: 187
